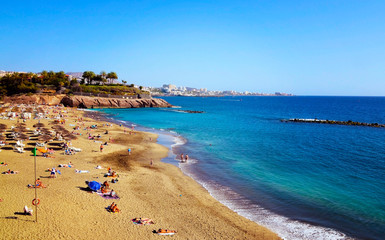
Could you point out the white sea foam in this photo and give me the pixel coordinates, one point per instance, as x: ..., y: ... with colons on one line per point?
x: 283, y: 226
x: 178, y: 140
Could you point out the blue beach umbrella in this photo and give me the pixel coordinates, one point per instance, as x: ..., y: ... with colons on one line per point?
x: 94, y: 186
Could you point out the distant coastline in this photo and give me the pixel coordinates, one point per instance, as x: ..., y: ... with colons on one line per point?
x: 227, y: 95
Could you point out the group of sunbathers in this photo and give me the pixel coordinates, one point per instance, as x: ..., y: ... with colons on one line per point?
x: 90, y: 137
x: 111, y: 173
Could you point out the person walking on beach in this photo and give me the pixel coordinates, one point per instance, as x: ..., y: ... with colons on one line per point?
x: 101, y: 147
x: 129, y: 151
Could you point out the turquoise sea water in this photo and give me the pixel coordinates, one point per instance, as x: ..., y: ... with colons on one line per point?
x: 303, y: 181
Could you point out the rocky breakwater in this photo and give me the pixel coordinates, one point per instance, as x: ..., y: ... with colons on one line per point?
x: 100, y: 102
x: 348, y: 123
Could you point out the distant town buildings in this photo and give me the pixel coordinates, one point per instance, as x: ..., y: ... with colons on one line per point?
x: 3, y: 73
x: 172, y: 90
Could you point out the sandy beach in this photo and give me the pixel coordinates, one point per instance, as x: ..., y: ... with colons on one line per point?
x: 68, y: 210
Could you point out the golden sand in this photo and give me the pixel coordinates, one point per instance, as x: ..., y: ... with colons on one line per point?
x: 159, y: 191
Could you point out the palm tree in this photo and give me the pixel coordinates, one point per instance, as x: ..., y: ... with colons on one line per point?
x: 112, y: 75
x: 103, y: 74
x: 88, y: 75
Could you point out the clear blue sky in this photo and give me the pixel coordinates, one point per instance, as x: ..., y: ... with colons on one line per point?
x: 301, y: 47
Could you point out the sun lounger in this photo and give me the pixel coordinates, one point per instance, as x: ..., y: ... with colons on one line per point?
x: 40, y: 144
x: 75, y: 149
x: 20, y: 144
x: 19, y: 149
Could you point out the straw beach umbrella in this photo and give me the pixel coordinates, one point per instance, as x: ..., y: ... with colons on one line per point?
x: 45, y: 131
x: 38, y: 125
x: 23, y: 137
x: 69, y: 137
x: 45, y: 138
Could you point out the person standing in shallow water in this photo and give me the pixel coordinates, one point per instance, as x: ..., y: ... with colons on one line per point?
x: 181, y: 157
x: 186, y: 158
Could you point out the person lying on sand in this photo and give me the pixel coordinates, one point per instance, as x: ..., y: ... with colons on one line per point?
x: 114, y: 180
x: 112, y: 174
x: 143, y: 221
x: 9, y: 171
x: 112, y: 193
x: 65, y: 166
x: 160, y: 230
x: 3, y: 164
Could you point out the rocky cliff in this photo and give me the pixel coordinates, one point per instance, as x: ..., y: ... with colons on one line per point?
x: 87, y: 102
x: 98, y: 102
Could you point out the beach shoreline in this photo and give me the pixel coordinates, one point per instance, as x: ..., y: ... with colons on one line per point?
x: 281, y: 224
x: 160, y: 191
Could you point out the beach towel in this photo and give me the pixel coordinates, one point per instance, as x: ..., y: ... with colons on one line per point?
x: 82, y: 171
x: 107, y: 196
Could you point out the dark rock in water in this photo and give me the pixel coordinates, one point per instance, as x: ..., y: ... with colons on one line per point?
x: 189, y: 111
x: 349, y: 123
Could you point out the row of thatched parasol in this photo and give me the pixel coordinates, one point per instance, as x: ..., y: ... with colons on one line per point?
x: 20, y: 129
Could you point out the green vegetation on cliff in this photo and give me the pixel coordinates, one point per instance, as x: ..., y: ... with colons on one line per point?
x: 58, y: 82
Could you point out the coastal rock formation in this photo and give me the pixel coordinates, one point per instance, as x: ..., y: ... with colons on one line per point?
x: 98, y: 102
x: 87, y: 102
